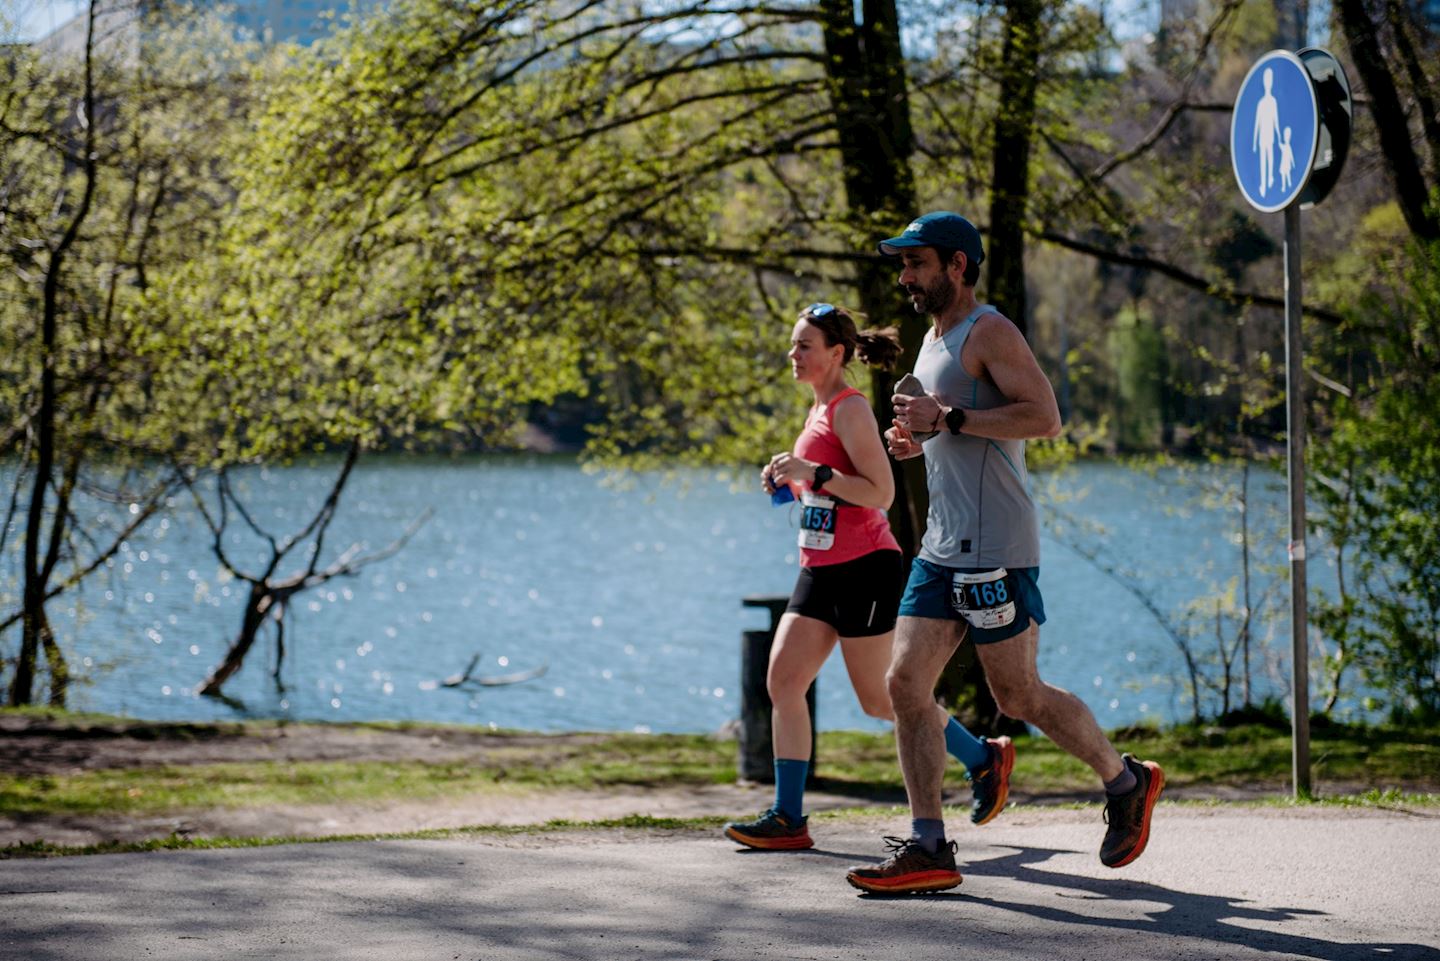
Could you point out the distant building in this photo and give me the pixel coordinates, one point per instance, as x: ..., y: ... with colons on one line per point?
x: 293, y: 21
x: 1292, y: 24
x: 1292, y: 21
x: 1175, y: 12
x: 119, y: 25
x: 116, y: 33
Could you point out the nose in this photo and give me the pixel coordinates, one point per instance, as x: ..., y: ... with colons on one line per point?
x: 907, y: 277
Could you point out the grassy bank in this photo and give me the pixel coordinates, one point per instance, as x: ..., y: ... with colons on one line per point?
x: 1254, y: 760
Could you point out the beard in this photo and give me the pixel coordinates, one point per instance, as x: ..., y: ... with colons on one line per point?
x: 934, y: 298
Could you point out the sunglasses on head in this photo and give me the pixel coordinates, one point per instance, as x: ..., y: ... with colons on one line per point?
x: 820, y: 310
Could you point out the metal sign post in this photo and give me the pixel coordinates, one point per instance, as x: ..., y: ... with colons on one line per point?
x: 1289, y: 134
x: 1295, y: 476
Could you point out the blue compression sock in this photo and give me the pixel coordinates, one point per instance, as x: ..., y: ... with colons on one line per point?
x: 930, y: 832
x: 969, y: 750
x: 790, y: 787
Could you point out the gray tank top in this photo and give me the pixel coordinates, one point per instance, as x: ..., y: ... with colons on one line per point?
x: 981, y: 514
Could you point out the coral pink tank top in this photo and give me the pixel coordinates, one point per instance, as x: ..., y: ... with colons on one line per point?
x: 857, y: 530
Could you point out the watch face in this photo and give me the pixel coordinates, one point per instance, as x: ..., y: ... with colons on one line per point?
x: 955, y: 419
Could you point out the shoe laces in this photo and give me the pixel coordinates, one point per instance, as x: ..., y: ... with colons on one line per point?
x: 1115, y: 804
x: 896, y: 845
x: 775, y: 814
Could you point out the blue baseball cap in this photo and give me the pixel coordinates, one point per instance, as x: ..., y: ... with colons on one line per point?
x: 939, y: 228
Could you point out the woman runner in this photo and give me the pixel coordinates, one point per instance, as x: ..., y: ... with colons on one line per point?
x: 851, y: 576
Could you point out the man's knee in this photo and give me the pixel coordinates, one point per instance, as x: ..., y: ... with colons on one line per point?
x: 909, y: 691
x: 1020, y: 700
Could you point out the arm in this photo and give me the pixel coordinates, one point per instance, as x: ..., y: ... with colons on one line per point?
x: 872, y: 484
x: 998, y: 351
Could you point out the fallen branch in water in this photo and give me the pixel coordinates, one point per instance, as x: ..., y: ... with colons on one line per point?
x: 492, y: 680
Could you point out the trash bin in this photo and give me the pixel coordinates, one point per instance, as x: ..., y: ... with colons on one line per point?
x: 757, y: 753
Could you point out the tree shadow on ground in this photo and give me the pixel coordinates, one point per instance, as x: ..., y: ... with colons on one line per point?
x: 1184, y: 914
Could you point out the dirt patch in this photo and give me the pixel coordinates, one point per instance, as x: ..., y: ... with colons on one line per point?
x: 39, y: 747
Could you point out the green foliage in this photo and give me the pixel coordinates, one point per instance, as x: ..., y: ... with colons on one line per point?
x: 1139, y: 352
x: 152, y: 188
x: 449, y: 216
x: 443, y: 219
x: 1377, y: 490
x: 113, y: 171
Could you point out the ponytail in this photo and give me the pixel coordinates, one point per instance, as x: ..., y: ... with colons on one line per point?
x: 878, y: 348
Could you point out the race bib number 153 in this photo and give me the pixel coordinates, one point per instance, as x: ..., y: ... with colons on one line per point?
x: 817, y: 522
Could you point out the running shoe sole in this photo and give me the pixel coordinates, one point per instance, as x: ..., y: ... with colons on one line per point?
x: 916, y: 883
x: 1152, y: 794
x: 770, y: 844
x: 1007, y: 764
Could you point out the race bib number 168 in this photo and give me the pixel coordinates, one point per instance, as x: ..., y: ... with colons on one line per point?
x: 985, y: 600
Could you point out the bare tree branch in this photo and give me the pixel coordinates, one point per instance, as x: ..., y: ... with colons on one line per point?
x: 136, y: 521
x: 468, y: 678
x: 1239, y: 298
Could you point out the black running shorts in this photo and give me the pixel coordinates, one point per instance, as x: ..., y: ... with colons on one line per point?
x: 858, y: 598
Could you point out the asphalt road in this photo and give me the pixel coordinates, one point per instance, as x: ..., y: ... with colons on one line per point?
x: 1230, y: 882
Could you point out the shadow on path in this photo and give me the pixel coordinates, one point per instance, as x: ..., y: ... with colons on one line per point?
x: 1199, y: 916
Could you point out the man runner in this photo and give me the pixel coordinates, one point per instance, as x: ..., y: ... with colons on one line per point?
x: 977, y: 572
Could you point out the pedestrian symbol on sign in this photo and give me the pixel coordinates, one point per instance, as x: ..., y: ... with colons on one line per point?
x: 1273, y: 131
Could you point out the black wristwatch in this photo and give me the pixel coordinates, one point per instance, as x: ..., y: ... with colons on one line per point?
x: 823, y: 473
x: 955, y: 419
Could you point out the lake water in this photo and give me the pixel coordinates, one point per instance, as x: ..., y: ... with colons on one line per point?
x: 628, y: 596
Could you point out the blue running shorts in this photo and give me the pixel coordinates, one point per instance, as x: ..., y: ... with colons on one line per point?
x: 991, y: 604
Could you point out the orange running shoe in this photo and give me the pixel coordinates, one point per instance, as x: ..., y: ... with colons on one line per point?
x: 1129, y: 815
x: 992, y: 785
x: 771, y: 831
x: 908, y: 869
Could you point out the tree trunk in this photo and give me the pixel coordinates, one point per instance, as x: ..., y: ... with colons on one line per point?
x: 35, y: 633
x: 1010, y: 163
x: 55, y: 662
x: 866, y: 70
x: 257, y: 607
x: 1396, y: 146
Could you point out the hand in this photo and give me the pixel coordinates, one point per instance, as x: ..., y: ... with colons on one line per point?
x: 786, y: 468
x: 902, y: 443
x: 767, y: 483
x: 917, y: 414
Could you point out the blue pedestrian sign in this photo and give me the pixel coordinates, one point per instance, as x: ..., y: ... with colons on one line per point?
x: 1273, y: 131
